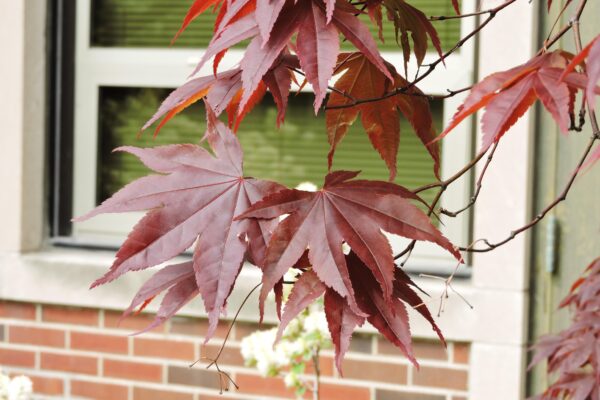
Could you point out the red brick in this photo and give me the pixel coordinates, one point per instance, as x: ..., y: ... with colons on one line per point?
x: 17, y: 358
x: 197, y: 377
x: 325, y: 366
x: 99, y: 391
x: 229, y: 355
x: 423, y: 349
x: 441, y: 377
x: 37, y: 336
x: 112, y: 319
x: 375, y: 371
x: 70, y: 315
x: 70, y: 363
x: 152, y: 394
x: 9, y: 309
x: 394, y: 395
x: 133, y: 370
x: 163, y: 348
x: 461, y: 353
x: 339, y: 392
x: 47, y: 386
x: 98, y: 342
x: 361, y: 344
x: 243, y: 329
x: 253, y: 384
x: 433, y: 350
x: 197, y: 327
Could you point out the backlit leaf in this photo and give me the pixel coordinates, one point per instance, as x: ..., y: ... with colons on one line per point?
x: 193, y: 202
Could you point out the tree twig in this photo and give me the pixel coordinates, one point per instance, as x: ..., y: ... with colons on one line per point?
x: 473, y: 14
x: 215, y: 361
x: 412, y: 244
x: 447, y: 287
x: 549, y: 42
x: 443, y: 186
x: 563, y: 195
x: 449, y: 92
x: 574, y: 24
x: 478, y: 186
x: 556, y: 21
x: 452, y: 178
x: 317, y: 367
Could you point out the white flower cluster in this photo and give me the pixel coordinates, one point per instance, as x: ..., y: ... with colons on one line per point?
x: 303, y: 338
x: 17, y: 388
x: 307, y: 187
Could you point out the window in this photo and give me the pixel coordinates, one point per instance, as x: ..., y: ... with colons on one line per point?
x: 124, y: 67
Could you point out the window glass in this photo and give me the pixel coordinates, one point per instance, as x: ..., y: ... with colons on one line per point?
x: 152, y: 23
x: 295, y: 153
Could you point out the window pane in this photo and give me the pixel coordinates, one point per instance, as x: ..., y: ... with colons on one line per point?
x: 293, y: 154
x: 153, y: 23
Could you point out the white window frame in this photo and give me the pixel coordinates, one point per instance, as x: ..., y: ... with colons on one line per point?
x: 167, y: 67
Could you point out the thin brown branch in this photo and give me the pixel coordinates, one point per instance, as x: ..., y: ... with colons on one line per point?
x: 224, y: 376
x: 333, y: 89
x: 447, y: 288
x: 561, y: 197
x: 551, y: 41
x: 454, y: 177
x: 557, y: 21
x: 443, y: 185
x: 237, y: 313
x: 449, y: 93
x: 477, y: 189
x: 578, y: 126
x: 473, y: 14
x: 408, y: 250
x: 317, y: 367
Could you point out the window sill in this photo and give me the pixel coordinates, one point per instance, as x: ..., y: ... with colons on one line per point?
x: 62, y: 276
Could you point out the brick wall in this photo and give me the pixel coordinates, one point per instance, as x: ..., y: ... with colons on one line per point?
x: 84, y: 353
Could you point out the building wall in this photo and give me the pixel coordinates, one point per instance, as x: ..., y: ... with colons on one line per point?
x: 84, y: 352
x: 558, y: 264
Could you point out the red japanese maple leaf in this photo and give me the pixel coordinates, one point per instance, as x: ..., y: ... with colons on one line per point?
x: 304, y: 292
x: 456, y: 6
x: 317, y: 43
x: 591, y: 55
x: 507, y: 95
x: 195, y: 199
x: 343, y: 211
x: 223, y: 91
x: 362, y: 80
x: 407, y: 18
x: 389, y: 316
x: 271, y: 25
x: 178, y: 281
x: 196, y: 9
x: 573, y: 354
x: 342, y: 321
